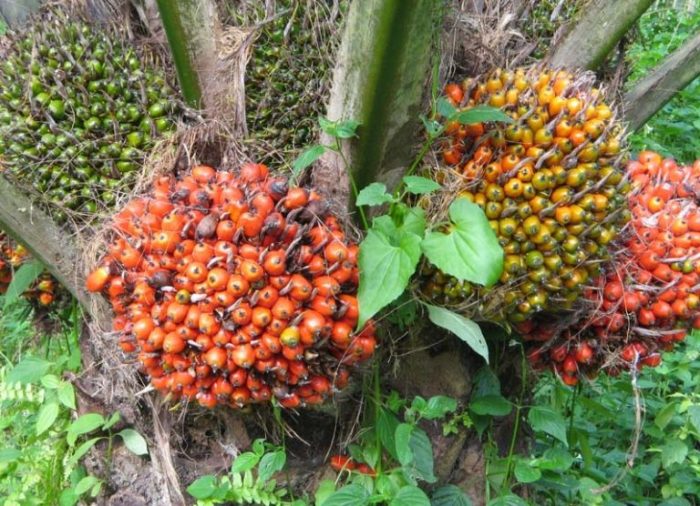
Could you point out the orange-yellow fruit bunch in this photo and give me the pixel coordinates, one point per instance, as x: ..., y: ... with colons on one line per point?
x: 235, y: 289
x: 649, y: 297
x: 550, y: 183
x: 12, y: 256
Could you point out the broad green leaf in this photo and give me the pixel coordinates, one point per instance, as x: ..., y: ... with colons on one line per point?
x: 469, y: 250
x: 387, y: 263
x: 555, y: 459
x: 467, y: 330
x: 346, y: 129
x: 664, y: 416
x: 526, y: 473
x: 83, y: 425
x: 422, y: 452
x: 309, y: 156
x: 385, y: 485
x: 673, y: 452
x: 414, y: 221
x: 374, y: 194
x: 327, y: 126
x: 349, y: 495
x: 68, y: 497
x: 46, y: 417
x: 438, y: 406
x: 112, y: 421
x: 66, y: 395
x: 694, y: 416
x: 85, y: 484
x: 419, y: 185
x: 9, y: 455
x: 550, y: 422
x: 29, y: 370
x: 202, y: 488
x: 507, y: 500
x: 134, y: 441
x: 450, y: 495
x: 410, y: 496
x: 271, y: 463
x: 386, y: 428
x: 258, y: 447
x: 494, y: 405
x: 481, y: 113
x: 486, y: 383
x: 245, y: 462
x: 445, y: 108
x: 402, y: 438
x: 434, y: 128
x: 50, y: 381
x: 323, y: 491
x: 22, y: 280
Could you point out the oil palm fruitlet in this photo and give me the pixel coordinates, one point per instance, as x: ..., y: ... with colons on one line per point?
x: 78, y: 112
x: 551, y: 184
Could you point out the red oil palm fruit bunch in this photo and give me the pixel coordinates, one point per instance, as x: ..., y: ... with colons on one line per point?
x: 649, y: 297
x: 551, y: 184
x: 234, y: 288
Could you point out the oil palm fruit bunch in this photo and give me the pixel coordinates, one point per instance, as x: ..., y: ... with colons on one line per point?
x: 288, y: 72
x: 12, y: 256
x: 234, y: 288
x: 551, y: 183
x: 78, y: 111
x: 649, y: 297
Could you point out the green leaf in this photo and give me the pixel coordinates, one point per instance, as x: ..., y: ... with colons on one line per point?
x: 202, y: 488
x: 465, y: 329
x: 112, y: 421
x: 346, y: 129
x: 245, y: 462
x: 486, y: 383
x: 410, y: 496
x: 387, y: 262
x: 507, y: 500
x: 386, y: 428
x: 525, y: 473
x: 349, y: 495
x: 66, y: 395
x: 673, y: 452
x: 46, y: 417
x: 422, y: 452
x: 50, y: 381
x: 414, y: 221
x: 402, y: 437
x: 270, y: 463
x: 134, y: 441
x: 694, y: 416
x: 374, y: 194
x: 82, y: 450
x: 481, y: 113
x: 419, y: 185
x: 470, y: 250
x: 9, y: 455
x: 445, y: 108
x: 494, y: 405
x: 438, y: 406
x: 309, y: 156
x: 550, y: 422
x: 85, y: 484
x: 83, y: 425
x: 432, y: 127
x: 259, y: 447
x: 555, y: 459
x: 22, y: 280
x: 323, y: 491
x: 450, y: 495
x: 665, y: 415
x: 29, y: 370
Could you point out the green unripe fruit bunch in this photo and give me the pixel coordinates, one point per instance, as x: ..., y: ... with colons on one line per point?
x: 78, y: 113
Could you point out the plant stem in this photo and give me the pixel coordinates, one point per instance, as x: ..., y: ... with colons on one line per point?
x: 573, y: 407
x: 377, y: 406
x: 516, y: 423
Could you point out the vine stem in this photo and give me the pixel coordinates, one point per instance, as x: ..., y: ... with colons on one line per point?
x: 516, y: 423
